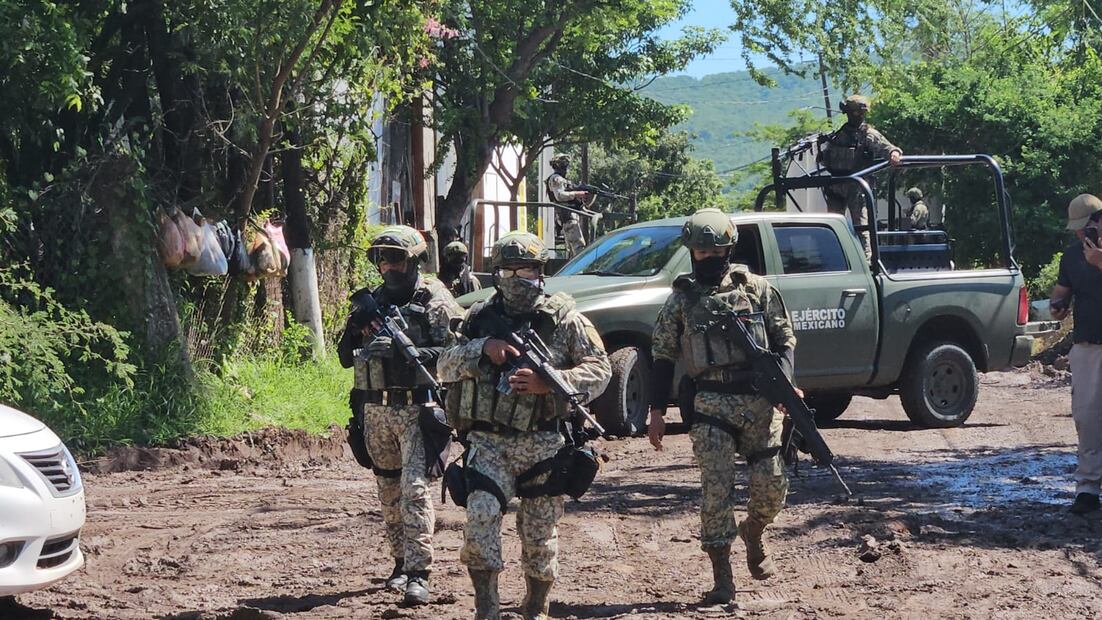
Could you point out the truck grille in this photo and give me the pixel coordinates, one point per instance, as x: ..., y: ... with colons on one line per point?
x: 57, y: 551
x: 54, y: 466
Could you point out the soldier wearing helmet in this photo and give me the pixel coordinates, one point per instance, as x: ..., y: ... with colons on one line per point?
x: 852, y: 148
x: 728, y: 417
x: 511, y: 428
x: 917, y: 217
x: 455, y: 273
x: 558, y: 190
x: 388, y: 398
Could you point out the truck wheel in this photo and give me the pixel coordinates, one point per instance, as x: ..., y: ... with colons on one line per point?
x: 828, y: 407
x: 622, y: 409
x: 939, y: 385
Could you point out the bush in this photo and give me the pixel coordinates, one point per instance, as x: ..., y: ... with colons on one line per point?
x: 1041, y: 286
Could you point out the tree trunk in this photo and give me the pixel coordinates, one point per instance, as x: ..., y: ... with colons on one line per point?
x: 303, y: 274
x: 151, y: 308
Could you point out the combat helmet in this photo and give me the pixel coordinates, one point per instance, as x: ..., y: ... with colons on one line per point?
x: 560, y: 161
x: 853, y: 101
x: 518, y: 247
x: 914, y: 193
x: 707, y: 229
x: 454, y: 249
x: 398, y: 238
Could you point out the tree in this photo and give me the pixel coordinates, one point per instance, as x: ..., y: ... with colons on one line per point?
x: 529, y: 74
x: 664, y: 177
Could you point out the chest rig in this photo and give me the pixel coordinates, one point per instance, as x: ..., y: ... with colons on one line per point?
x: 708, y: 355
x: 846, y: 150
x: 394, y: 373
x: 479, y: 402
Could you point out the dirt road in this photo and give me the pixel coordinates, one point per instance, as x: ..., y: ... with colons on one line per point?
x: 968, y: 522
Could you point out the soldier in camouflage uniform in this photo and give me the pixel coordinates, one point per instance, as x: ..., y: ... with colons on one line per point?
x: 558, y: 190
x: 391, y: 395
x: 918, y: 216
x: 730, y: 417
x: 854, y: 147
x: 455, y: 273
x: 510, y: 433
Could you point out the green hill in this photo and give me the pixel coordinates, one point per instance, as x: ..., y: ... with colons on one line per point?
x: 726, y: 105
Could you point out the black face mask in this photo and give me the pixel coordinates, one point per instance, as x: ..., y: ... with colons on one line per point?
x: 399, y: 285
x: 709, y: 271
x: 454, y: 265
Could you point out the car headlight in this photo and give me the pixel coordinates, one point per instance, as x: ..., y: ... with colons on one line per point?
x: 8, y: 477
x: 74, y: 470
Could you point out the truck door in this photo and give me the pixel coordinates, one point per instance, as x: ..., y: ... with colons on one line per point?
x: 831, y: 300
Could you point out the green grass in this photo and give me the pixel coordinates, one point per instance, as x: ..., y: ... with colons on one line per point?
x: 245, y: 395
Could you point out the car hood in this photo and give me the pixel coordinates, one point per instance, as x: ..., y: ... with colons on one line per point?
x: 14, y: 422
x: 580, y: 288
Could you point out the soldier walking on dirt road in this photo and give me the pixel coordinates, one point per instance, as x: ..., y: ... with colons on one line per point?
x: 512, y: 420
x: 388, y: 399
x: 727, y: 418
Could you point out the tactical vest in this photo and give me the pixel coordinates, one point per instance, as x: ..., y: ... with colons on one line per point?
x: 846, y: 150
x: 479, y: 400
x: 396, y: 373
x: 708, y: 352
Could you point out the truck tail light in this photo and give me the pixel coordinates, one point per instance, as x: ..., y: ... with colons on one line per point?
x: 1023, y: 306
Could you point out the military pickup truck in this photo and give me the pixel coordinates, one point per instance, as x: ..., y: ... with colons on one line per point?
x: 915, y: 326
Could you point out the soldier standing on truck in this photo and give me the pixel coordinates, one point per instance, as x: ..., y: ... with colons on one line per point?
x: 455, y: 272
x: 918, y: 216
x: 728, y: 416
x: 558, y: 190
x: 388, y: 396
x: 512, y: 428
x: 853, y: 147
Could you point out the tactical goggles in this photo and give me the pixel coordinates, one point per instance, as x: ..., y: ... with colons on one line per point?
x: 387, y: 255
x: 528, y: 272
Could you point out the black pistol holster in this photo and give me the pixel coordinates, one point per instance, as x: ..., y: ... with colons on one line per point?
x: 355, y: 428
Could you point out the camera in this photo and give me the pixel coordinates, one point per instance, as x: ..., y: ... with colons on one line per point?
x: 1092, y: 234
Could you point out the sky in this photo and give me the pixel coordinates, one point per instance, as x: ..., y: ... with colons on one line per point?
x: 711, y: 14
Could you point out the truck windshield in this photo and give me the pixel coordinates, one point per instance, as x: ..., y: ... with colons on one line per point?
x: 629, y: 252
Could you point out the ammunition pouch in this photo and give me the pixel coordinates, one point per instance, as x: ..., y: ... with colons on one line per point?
x: 686, y: 395
x: 570, y: 472
x: 436, y: 435
x: 355, y: 429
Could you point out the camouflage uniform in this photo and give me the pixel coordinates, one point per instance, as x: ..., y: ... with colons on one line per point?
x: 392, y: 432
x: 511, y: 450
x: 571, y: 228
x: 853, y: 147
x: 455, y: 273
x: 758, y: 423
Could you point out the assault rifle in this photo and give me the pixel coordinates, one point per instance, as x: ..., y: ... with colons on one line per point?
x: 391, y: 324
x: 598, y: 191
x: 775, y: 386
x: 534, y: 354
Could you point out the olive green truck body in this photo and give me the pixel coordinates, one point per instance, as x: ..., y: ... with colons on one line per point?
x: 917, y: 327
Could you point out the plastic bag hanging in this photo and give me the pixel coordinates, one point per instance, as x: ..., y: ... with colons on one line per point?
x: 192, y: 236
x: 275, y: 234
x: 170, y: 242
x: 239, y: 261
x: 211, y: 262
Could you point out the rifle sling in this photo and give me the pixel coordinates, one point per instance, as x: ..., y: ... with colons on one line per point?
x: 730, y: 429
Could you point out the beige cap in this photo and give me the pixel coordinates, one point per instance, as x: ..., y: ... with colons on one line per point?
x: 1081, y: 208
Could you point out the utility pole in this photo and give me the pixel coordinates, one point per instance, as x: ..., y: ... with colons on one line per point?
x: 826, y: 90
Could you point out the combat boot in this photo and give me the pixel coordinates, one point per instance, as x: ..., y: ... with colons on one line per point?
x: 537, y: 599
x: 724, y: 590
x: 486, y: 604
x: 397, y: 579
x: 417, y: 588
x: 757, y: 556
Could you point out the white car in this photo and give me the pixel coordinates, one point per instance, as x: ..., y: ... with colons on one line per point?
x: 41, y: 505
